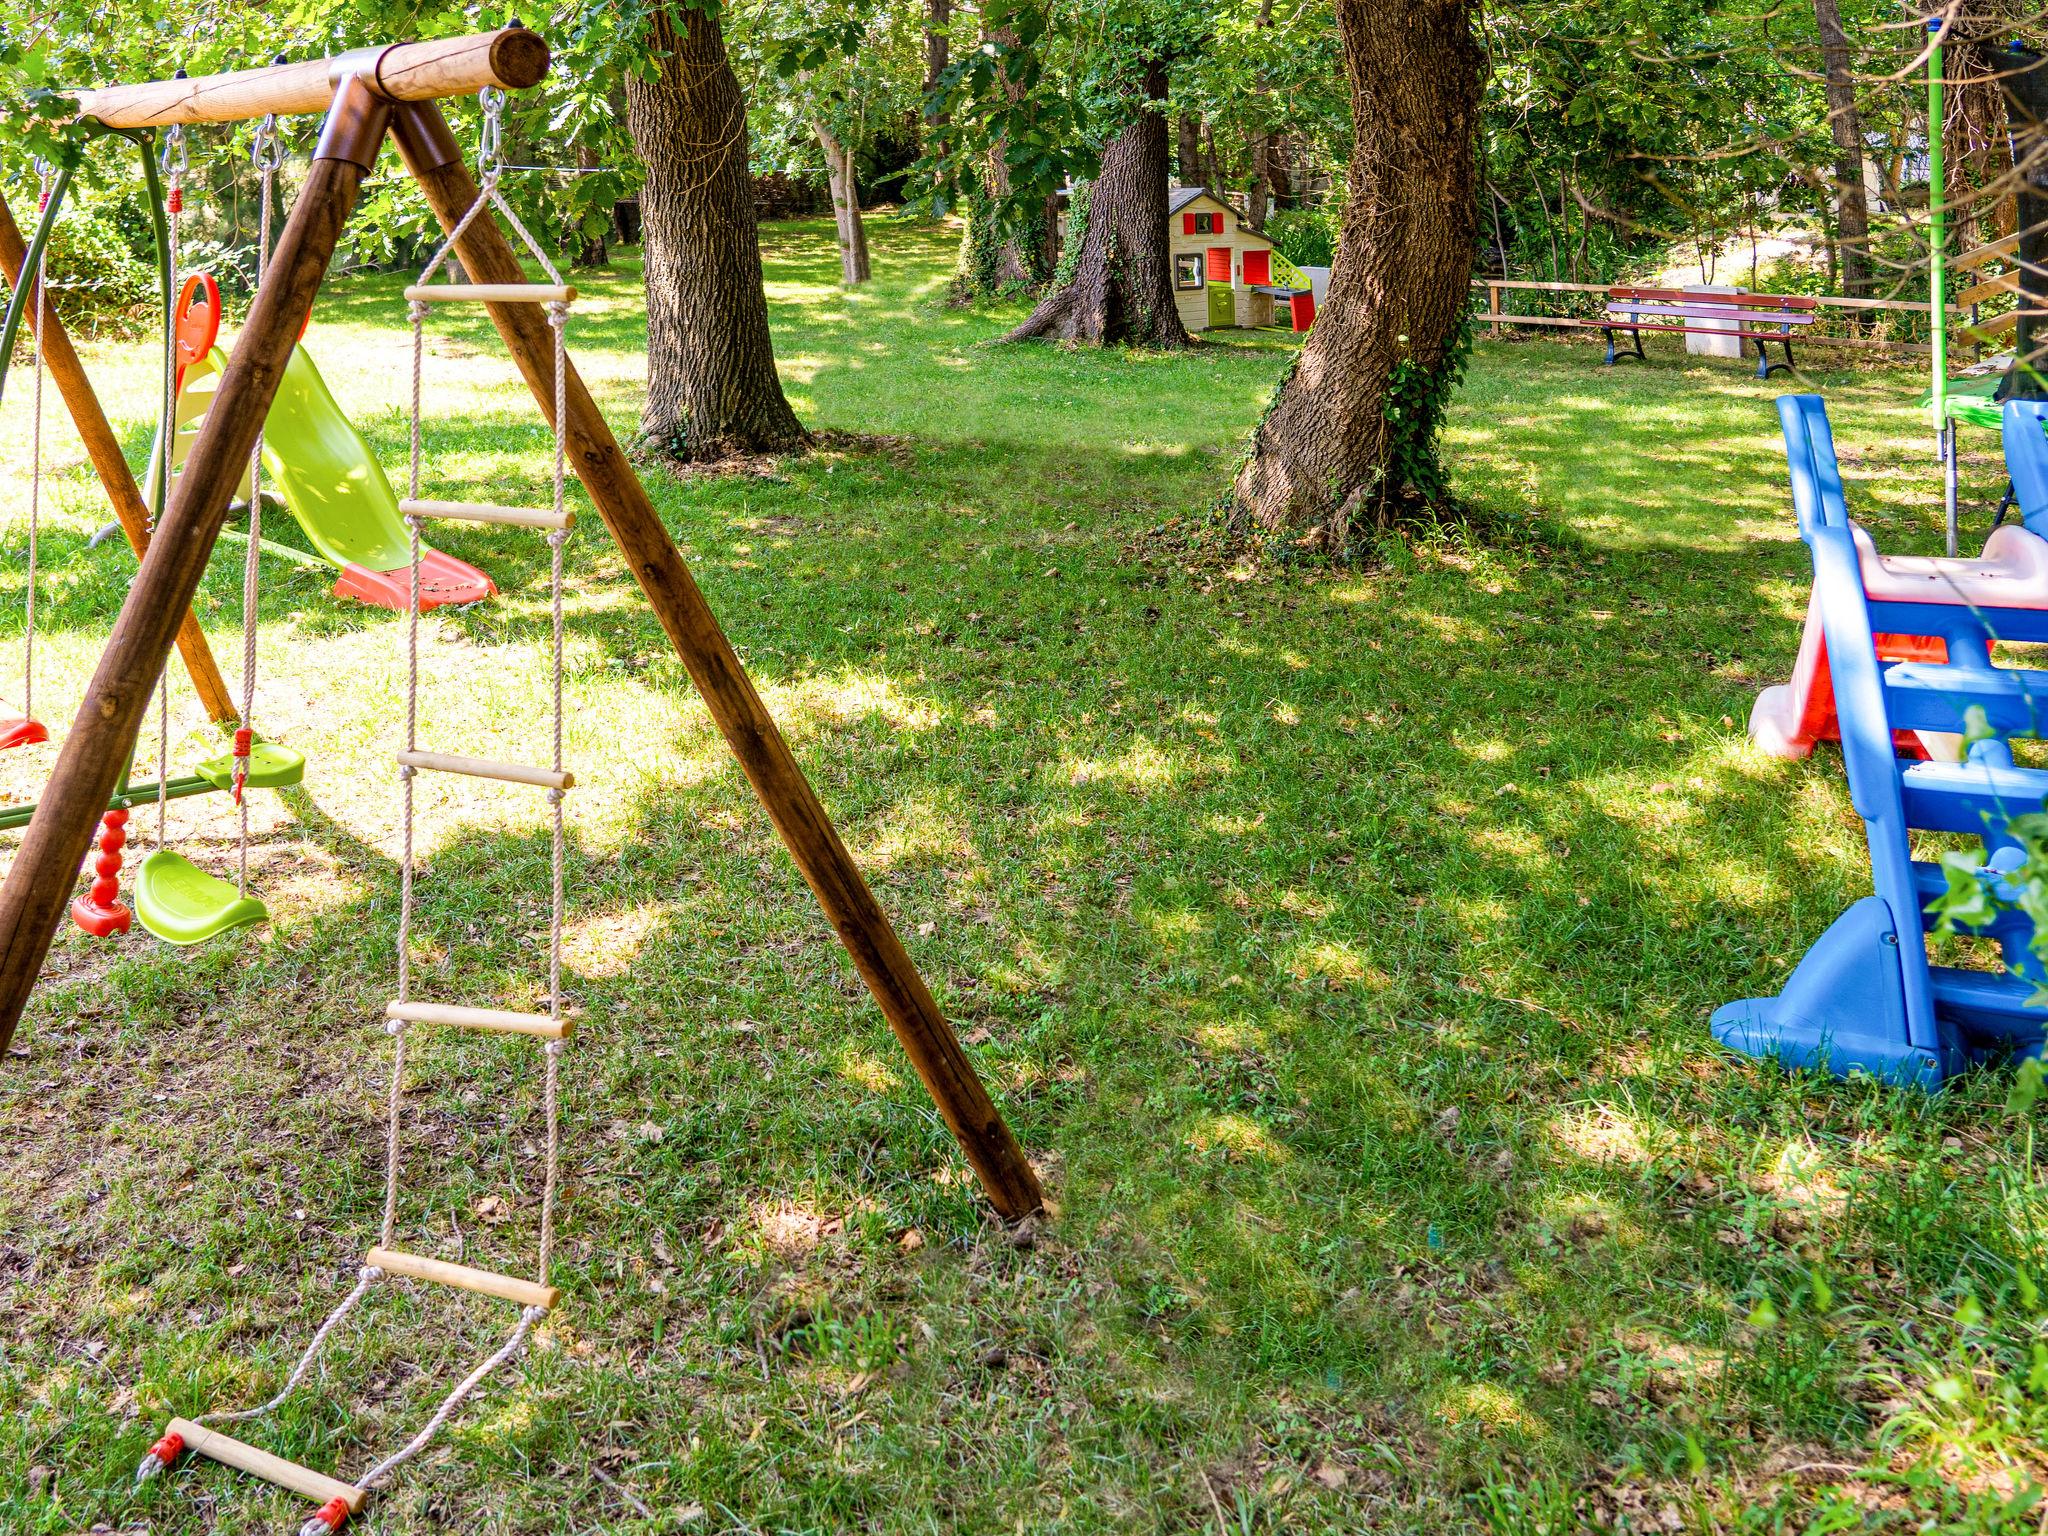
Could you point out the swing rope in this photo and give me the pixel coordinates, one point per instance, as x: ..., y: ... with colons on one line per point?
x: 268, y: 155
x: 379, y: 1475
x: 35, y: 472
x: 176, y: 162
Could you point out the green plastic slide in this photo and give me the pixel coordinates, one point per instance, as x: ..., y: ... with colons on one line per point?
x: 316, y: 460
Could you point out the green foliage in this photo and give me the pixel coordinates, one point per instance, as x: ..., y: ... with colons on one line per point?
x: 1078, y: 204
x: 1305, y: 236
x: 1418, y: 402
x: 97, y: 279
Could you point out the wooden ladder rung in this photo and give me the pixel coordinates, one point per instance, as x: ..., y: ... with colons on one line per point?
x: 498, y: 1020
x: 488, y: 768
x: 482, y: 1281
x: 487, y: 512
x: 491, y: 293
x: 243, y: 1457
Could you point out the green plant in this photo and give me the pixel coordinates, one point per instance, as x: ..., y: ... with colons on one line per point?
x: 1305, y: 236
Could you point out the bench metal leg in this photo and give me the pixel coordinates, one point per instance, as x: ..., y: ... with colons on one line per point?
x: 1635, y: 344
x: 1764, y: 366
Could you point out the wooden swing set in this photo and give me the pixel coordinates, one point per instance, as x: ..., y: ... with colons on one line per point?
x: 365, y: 96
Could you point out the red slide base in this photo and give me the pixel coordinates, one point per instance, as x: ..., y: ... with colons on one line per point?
x: 21, y: 733
x: 444, y: 581
x: 101, y: 922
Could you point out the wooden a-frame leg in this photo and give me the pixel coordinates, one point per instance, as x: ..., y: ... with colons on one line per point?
x: 111, y: 465
x: 434, y: 158
x: 39, y: 881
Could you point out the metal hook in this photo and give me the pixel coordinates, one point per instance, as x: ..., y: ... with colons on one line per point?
x: 177, y: 154
x: 491, y: 147
x: 266, y: 150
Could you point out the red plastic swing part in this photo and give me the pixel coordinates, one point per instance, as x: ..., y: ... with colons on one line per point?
x: 161, y: 1457
x: 21, y: 733
x: 327, y: 1519
x: 99, y: 911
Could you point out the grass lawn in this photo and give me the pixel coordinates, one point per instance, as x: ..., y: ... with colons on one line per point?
x: 1340, y: 943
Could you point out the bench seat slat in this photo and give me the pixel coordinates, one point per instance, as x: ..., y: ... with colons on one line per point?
x: 1714, y: 312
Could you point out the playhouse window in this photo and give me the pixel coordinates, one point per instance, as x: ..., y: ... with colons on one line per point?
x: 1187, y: 270
x: 1208, y: 223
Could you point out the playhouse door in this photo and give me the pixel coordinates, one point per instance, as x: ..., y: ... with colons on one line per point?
x: 1222, y: 300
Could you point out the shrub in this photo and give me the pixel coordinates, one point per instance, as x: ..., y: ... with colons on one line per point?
x: 1305, y: 236
x: 97, y: 281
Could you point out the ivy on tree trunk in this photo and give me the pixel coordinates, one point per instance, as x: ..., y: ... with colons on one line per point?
x: 1349, y: 444
x: 1121, y: 289
x: 712, y: 388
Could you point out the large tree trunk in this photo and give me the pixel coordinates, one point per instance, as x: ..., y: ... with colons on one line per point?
x: 590, y: 249
x: 1845, y: 123
x: 1122, y: 288
x: 1188, y: 152
x: 1350, y: 439
x: 712, y: 389
x: 845, y: 189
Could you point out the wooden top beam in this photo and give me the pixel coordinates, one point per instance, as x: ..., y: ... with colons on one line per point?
x: 511, y: 58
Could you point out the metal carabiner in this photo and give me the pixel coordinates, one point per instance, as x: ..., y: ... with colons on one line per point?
x: 177, y: 154
x: 491, y: 143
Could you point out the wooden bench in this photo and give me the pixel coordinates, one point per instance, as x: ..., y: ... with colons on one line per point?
x: 1636, y: 310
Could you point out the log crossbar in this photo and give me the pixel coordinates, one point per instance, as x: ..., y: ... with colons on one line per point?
x: 244, y: 1457
x: 511, y: 59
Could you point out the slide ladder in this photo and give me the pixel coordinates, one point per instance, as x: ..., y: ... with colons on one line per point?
x: 1789, y: 718
x: 1866, y: 997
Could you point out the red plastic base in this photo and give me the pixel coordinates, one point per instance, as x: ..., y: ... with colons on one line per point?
x: 444, y: 580
x: 101, y: 922
x: 21, y: 733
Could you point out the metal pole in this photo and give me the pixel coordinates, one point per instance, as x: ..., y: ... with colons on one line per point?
x: 1937, y: 282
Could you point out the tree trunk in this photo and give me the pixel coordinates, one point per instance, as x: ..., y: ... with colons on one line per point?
x: 1188, y: 154
x: 938, y: 49
x: 712, y: 389
x: 1845, y: 124
x: 1256, y: 187
x: 1122, y: 288
x: 590, y: 249
x: 1001, y: 251
x: 1278, y: 183
x: 1349, y: 443
x: 845, y: 188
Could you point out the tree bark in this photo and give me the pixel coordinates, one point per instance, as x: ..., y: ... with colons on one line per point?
x: 999, y: 251
x: 840, y: 178
x: 590, y: 249
x: 712, y: 388
x: 1257, y: 189
x: 1331, y: 459
x: 1122, y: 288
x: 938, y: 50
x: 1845, y: 124
x: 1188, y: 155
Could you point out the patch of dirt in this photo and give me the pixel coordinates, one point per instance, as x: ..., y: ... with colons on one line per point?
x: 899, y: 451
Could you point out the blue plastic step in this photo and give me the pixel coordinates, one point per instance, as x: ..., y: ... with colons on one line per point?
x: 1990, y: 1008
x: 1969, y: 797
x: 1933, y: 696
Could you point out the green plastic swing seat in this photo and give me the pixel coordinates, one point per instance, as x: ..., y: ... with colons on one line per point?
x: 270, y: 767
x: 182, y: 904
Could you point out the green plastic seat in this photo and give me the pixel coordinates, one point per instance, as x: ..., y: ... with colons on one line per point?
x: 182, y: 904
x: 270, y: 767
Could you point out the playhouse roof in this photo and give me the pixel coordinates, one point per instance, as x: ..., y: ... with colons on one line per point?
x: 1178, y: 198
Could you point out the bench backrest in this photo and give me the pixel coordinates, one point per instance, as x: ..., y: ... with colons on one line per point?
x: 1776, y: 302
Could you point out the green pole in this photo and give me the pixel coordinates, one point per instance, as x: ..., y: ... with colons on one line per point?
x: 1937, y: 238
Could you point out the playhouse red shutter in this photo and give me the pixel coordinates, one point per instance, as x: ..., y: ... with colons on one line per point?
x: 1258, y: 268
x: 1187, y: 223
x: 1219, y: 263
